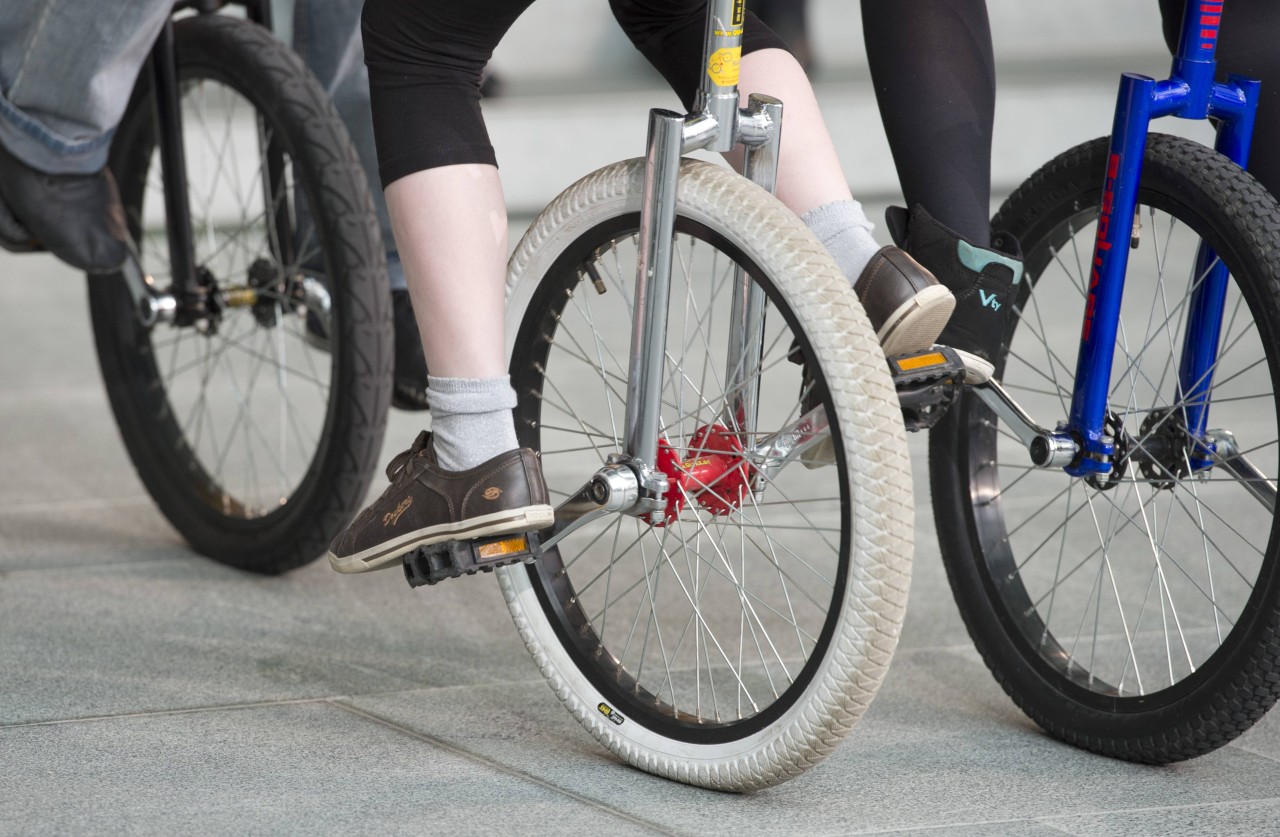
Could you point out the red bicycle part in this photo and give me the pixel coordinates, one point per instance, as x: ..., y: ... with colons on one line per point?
x: 715, y: 475
x: 677, y: 479
x: 719, y: 478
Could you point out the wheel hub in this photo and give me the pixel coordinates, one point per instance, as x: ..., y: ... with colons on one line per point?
x: 1165, y: 442
x: 265, y: 278
x: 714, y: 474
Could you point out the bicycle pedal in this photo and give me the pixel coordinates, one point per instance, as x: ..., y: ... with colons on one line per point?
x: 454, y: 559
x: 927, y: 383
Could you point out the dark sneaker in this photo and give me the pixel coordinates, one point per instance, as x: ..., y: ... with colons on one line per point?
x: 409, y: 380
x: 907, y: 307
x: 76, y: 217
x: 984, y: 281
x: 425, y: 505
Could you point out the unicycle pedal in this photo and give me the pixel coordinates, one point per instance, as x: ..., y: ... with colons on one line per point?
x: 454, y: 559
x: 927, y: 383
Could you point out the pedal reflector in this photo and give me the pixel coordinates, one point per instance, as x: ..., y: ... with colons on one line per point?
x: 510, y: 546
x: 913, y: 362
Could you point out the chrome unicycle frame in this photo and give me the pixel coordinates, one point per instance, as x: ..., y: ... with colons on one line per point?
x: 631, y: 483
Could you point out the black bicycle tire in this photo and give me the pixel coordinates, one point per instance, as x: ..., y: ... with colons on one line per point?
x: 258, y: 67
x: 1239, y: 682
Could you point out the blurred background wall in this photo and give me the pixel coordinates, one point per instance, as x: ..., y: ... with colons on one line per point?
x: 575, y: 93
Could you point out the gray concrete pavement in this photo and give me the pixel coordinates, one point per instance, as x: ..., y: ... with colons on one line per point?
x: 144, y: 689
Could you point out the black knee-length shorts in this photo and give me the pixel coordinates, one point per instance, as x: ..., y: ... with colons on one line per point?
x: 425, y: 58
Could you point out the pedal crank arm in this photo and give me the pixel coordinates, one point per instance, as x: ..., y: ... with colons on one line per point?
x: 1226, y: 454
x: 1048, y: 448
x: 614, y: 489
x: 773, y: 451
x: 150, y: 305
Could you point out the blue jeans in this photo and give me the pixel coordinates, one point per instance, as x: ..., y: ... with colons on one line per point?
x: 67, y: 68
x: 326, y: 33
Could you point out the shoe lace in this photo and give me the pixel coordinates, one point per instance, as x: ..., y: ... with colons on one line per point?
x: 398, y: 468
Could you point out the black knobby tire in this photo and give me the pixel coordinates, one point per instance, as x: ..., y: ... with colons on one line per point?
x: 1185, y: 664
x: 259, y: 486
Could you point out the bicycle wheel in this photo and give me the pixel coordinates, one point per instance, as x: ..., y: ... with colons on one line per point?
x: 256, y: 438
x: 1135, y: 617
x: 732, y: 643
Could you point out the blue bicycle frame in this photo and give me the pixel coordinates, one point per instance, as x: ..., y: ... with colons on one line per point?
x: 1189, y: 93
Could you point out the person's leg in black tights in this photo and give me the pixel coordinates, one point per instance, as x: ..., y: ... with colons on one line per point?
x: 1247, y: 45
x: 934, y: 74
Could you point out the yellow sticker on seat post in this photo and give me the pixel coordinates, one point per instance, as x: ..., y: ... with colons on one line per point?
x: 723, y: 66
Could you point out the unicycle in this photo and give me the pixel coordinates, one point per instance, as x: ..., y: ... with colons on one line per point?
x: 247, y: 351
x: 1118, y: 571
x: 722, y: 590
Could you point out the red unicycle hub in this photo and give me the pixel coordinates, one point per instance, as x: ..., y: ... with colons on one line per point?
x: 714, y: 473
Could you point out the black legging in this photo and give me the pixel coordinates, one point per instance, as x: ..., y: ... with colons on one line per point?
x: 932, y: 66
x: 935, y: 81
x: 1247, y: 46
x: 425, y: 58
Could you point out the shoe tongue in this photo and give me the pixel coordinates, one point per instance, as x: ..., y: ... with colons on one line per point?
x: 400, y: 463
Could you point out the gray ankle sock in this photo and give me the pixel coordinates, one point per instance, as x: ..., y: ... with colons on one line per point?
x: 471, y: 419
x: 844, y: 230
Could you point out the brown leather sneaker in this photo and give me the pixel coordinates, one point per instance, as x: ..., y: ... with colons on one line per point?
x: 425, y: 505
x: 907, y: 307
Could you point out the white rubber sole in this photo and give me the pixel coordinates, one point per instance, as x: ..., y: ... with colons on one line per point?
x: 915, y: 325
x: 388, y: 553
x: 976, y: 370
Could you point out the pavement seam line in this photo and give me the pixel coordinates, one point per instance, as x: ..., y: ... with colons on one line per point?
x: 1057, y: 822
x: 186, y: 710
x: 917, y: 829
x: 111, y: 566
x: 501, y: 768
x: 1048, y: 819
x: 84, y: 504
x: 181, y: 710
x: 1245, y: 747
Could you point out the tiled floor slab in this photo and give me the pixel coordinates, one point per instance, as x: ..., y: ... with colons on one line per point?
x: 941, y: 746
x: 183, y: 632
x: 292, y: 769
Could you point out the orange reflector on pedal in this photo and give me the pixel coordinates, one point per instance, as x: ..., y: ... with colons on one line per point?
x: 908, y: 364
x: 506, y: 547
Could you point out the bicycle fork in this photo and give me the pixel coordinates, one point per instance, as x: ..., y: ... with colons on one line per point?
x: 1084, y: 445
x: 631, y: 482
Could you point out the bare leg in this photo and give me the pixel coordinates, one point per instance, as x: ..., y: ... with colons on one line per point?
x: 809, y: 173
x: 905, y: 304
x: 450, y: 224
